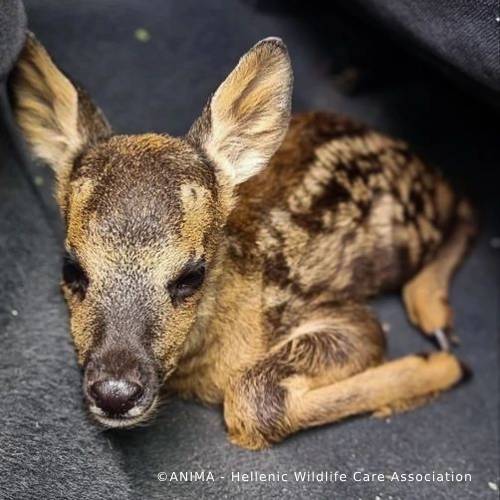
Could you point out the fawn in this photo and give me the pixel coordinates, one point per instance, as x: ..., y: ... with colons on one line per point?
x: 233, y: 264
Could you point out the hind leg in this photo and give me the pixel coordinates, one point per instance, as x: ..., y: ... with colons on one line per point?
x: 426, y: 295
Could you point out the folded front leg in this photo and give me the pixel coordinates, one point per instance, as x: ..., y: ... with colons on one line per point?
x: 332, y: 342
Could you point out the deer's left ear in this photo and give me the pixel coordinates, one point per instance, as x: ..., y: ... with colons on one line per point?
x: 246, y: 119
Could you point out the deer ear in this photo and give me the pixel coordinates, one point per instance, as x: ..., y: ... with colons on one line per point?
x: 246, y: 119
x: 56, y: 117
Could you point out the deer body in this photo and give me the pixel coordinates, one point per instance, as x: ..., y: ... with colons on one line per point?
x: 234, y: 265
x: 300, y: 238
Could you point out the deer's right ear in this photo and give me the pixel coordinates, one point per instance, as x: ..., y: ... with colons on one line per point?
x: 246, y: 119
x: 56, y: 117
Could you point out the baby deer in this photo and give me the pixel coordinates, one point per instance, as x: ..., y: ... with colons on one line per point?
x: 233, y: 264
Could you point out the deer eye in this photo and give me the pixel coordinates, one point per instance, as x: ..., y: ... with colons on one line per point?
x: 74, y: 276
x: 188, y: 282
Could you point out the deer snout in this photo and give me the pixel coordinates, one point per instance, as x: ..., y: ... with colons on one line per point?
x: 120, y: 389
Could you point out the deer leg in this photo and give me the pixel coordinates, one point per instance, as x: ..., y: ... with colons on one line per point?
x: 426, y: 295
x: 328, y: 369
x: 332, y: 343
x: 396, y: 384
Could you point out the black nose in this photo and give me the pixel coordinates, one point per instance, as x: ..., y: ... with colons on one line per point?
x: 115, y: 396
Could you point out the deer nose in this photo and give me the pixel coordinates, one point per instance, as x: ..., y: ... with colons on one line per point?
x: 115, y: 396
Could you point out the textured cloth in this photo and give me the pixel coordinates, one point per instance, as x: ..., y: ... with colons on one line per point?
x: 463, y: 35
x: 47, y: 447
x: 12, y: 32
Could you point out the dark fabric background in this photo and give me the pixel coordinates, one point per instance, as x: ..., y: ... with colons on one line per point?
x: 12, y: 27
x: 47, y: 447
x: 463, y: 35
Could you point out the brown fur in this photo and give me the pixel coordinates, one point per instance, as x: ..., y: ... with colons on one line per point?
x: 278, y: 332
